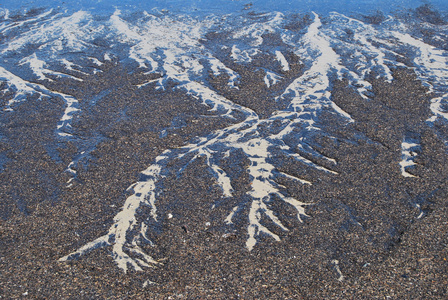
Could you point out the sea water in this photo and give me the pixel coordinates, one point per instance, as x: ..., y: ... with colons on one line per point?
x: 230, y: 6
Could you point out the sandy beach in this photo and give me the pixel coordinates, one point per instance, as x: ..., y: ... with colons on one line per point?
x: 280, y: 157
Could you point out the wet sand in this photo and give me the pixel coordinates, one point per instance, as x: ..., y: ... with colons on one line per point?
x: 364, y: 237
x: 406, y: 258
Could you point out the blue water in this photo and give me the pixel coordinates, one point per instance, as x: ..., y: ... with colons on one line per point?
x: 229, y: 6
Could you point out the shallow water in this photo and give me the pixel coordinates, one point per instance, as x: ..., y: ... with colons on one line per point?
x: 230, y: 6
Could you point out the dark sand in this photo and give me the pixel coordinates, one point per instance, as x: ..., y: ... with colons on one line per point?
x: 393, y: 255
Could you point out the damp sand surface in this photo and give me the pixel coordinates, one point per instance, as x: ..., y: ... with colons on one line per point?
x: 200, y: 260
x: 374, y: 225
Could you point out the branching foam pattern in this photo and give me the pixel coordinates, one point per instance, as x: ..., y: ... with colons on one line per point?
x: 173, y: 48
